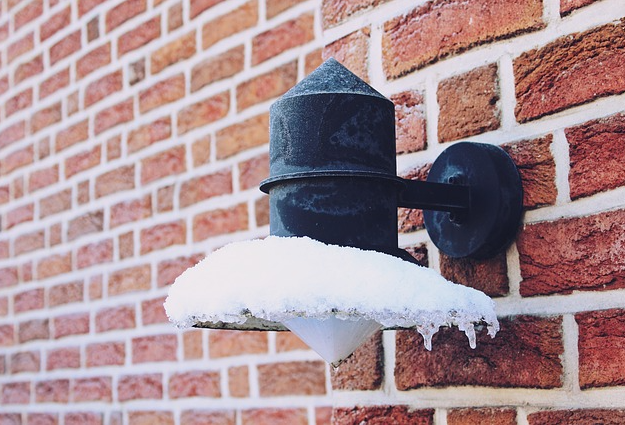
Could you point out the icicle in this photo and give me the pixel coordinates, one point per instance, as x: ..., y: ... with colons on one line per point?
x: 470, y: 333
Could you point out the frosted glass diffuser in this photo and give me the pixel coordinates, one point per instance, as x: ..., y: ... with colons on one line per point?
x: 332, y: 297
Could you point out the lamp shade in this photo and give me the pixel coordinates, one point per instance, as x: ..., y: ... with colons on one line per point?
x: 348, y: 293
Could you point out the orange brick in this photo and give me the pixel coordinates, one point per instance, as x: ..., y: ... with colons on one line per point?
x: 352, y: 51
x: 194, y: 384
x: 115, y: 318
x: 135, y: 387
x: 132, y: 279
x: 199, y: 6
x: 65, y: 47
x: 85, y: 224
x: 336, y: 12
x: 150, y: 418
x: 173, y: 52
x: 114, y: 115
x: 12, y: 134
x: 275, y: 415
x: 285, y: 36
x: 94, y: 60
x: 103, y: 87
x: 55, y: 23
x: 153, y: 312
x: 46, y: 117
x: 231, y: 23
x: 83, y: 161
x: 149, y: 134
x: 192, y: 344
x: 56, y: 203
x: 217, y: 68
x: 122, y: 178
x: 204, y: 187
x: 162, y: 236
x: 20, y: 47
x: 65, y: 293
x: 28, y: 69
x: 54, y: 83
x: 155, y: 348
x: 292, y: 378
x: 31, y: 330
x: 129, y: 211
x: 203, y: 112
x: 28, y: 13
x: 94, y: 253
x: 123, y: 12
x: 253, y: 171
x: 85, y: 6
x: 19, y: 215
x: 266, y: 86
x: 242, y: 136
x: 223, y: 343
x: 218, y: 222
x: 20, y: 101
x: 17, y: 159
x: 275, y: 7
x: 410, y: 121
x: 163, y: 164
x: 198, y: 417
x: 139, y: 36
x: 72, y: 135
x: 239, y: 381
x: 105, y: 354
x: 168, y: 270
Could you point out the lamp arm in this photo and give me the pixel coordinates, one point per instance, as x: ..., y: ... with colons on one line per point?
x: 450, y: 197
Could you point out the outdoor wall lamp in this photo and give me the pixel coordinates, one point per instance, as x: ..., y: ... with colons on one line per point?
x: 331, y: 271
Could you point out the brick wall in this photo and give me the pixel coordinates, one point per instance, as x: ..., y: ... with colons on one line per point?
x: 133, y: 135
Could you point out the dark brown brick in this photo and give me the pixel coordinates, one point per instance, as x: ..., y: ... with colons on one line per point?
x: 364, y: 369
x: 489, y: 276
x: 483, y: 416
x: 577, y: 416
x: 383, y: 415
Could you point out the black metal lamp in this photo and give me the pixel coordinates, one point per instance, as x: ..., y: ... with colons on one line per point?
x: 333, y: 179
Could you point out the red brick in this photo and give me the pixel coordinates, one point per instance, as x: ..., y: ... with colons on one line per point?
x: 114, y: 148
x: 590, y: 61
x: 12, y: 134
x: 163, y: 164
x: 352, y: 51
x: 71, y: 324
x: 440, y: 28
x: 489, y: 276
x: 287, y: 341
x: 218, y: 222
x: 103, y: 87
x: 234, y: 343
x: 85, y: 224
x: 113, y: 116
x: 42, y: 418
x: 43, y: 177
x: 27, y: 14
x: 253, y: 171
x: 65, y: 47
x: 335, y: 12
x: 20, y: 47
x: 199, y: 6
x: 29, y: 242
x: 26, y: 272
x: 76, y: 133
x: 134, y: 387
x: 201, y: 151
x: 126, y: 245
x: 16, y: 393
x: 275, y: 7
x: 129, y: 280
x: 514, y: 358
x: 20, y: 101
x: 54, y: 83
x: 19, y: 215
x: 382, y: 415
x: 55, y: 235
x: 292, y: 378
x: 562, y: 256
x: 468, y: 104
x: 136, y: 71
x: 155, y: 348
x: 285, y: 36
x: 28, y: 300
x: 123, y: 12
x: 152, y: 311
x: 17, y: 159
x: 95, y: 287
x: 84, y: 192
x: 105, y: 354
x: 568, y: 6
x: 242, y: 136
x: 203, y: 112
x: 410, y: 122
x: 194, y: 384
x: 63, y: 358
x: 129, y: 211
x: 149, y: 134
x: 8, y: 277
x: 94, y: 60
x: 55, y: 23
x: 192, y: 344
x: 83, y: 418
x: 122, y: 178
x: 92, y: 389
x: 312, y: 61
x: 28, y: 69
x: 139, y: 36
x: 597, y: 152
x: 481, y: 416
x: 4, y: 251
x: 150, y: 418
x: 201, y: 417
x: 364, y: 369
x: 85, y: 6
x: 115, y: 318
x: 31, y: 330
x: 11, y: 418
x: 239, y: 381
x: 7, y: 336
x: 275, y: 416
x: 162, y: 236
x: 54, y: 265
x: 46, y: 117
x: 173, y: 52
x: 94, y: 253
x: 204, y: 187
x: 83, y: 161
x: 217, y: 68
x: 601, y: 348
x: 408, y: 219
x: 168, y: 270
x: 165, y: 198
x: 65, y: 293
x: 174, y: 17
x: 577, y: 416
x: 266, y: 86
x: 162, y: 93
x: 231, y: 23
x: 53, y: 391
x: 26, y: 361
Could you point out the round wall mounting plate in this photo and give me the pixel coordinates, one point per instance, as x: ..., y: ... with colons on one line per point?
x: 496, y: 206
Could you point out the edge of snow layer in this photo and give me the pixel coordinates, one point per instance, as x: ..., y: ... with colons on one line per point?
x: 275, y: 279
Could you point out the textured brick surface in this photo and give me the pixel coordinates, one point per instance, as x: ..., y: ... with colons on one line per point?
x: 400, y: 415
x: 489, y: 276
x: 601, y: 348
x: 274, y: 416
x: 562, y: 256
x: 582, y: 417
x: 568, y: 6
x: 283, y: 37
x: 442, y: 28
x: 297, y: 378
x: 194, y: 384
x: 245, y: 135
x: 468, y: 104
x: 364, y: 369
x: 597, y: 155
x: 199, y: 417
x: 266, y: 86
x: 590, y: 61
x: 203, y: 112
x: 133, y: 387
x: 217, y: 68
x: 525, y: 353
x: 234, y: 343
x: 481, y: 417
x: 231, y: 23
x: 218, y: 222
x: 352, y: 51
x: 409, y: 122
x: 155, y: 348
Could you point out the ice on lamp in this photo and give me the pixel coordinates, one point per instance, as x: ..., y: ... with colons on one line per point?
x: 332, y: 297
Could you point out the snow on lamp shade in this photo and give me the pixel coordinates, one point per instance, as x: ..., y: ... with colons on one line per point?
x: 334, y: 298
